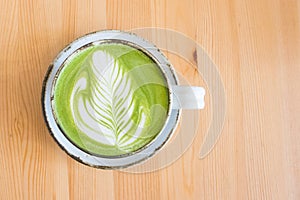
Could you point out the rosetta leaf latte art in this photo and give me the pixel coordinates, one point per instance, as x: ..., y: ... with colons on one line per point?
x: 105, y: 114
x: 111, y: 99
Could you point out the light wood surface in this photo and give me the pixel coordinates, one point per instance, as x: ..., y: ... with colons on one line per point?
x: 254, y: 43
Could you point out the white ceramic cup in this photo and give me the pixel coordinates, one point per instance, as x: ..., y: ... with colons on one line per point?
x: 181, y: 97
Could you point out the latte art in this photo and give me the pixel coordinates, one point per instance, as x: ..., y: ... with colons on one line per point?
x: 111, y: 99
x: 103, y: 108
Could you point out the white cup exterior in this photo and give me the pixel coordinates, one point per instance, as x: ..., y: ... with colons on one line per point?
x: 181, y: 97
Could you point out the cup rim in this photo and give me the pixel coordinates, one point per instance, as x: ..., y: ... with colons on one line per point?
x: 81, y: 155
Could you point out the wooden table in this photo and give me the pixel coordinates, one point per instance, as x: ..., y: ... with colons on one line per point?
x: 254, y: 43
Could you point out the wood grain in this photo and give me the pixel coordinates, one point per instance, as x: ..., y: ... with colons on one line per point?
x: 256, y: 46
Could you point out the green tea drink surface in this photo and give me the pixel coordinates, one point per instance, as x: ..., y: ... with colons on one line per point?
x: 110, y: 99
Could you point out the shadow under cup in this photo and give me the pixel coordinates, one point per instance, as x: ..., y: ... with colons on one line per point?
x: 108, y: 99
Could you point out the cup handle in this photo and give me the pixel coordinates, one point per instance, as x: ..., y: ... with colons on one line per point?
x: 188, y: 97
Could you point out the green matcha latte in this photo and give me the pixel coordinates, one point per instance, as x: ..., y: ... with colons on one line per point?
x: 110, y: 99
